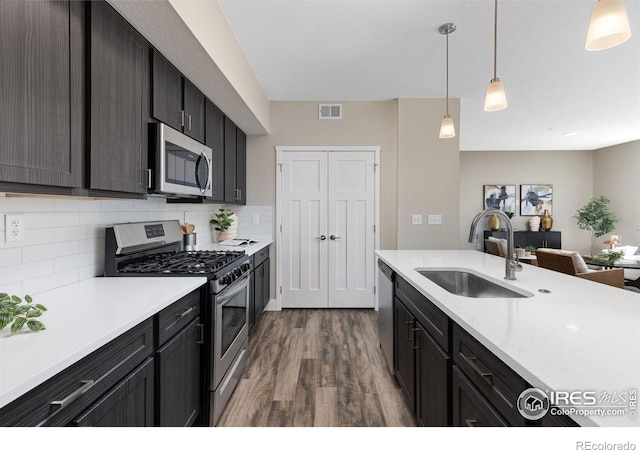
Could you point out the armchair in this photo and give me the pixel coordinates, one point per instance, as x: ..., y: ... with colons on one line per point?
x: 571, y: 263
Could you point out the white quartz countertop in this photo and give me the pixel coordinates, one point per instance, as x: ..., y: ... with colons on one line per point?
x: 249, y: 249
x: 81, y: 318
x: 582, y: 336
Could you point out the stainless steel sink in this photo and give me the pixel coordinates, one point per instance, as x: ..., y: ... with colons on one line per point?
x: 467, y: 284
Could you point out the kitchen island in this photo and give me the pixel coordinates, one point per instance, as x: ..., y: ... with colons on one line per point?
x: 578, y: 336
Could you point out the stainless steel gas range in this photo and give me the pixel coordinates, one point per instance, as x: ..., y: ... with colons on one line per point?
x: 154, y: 249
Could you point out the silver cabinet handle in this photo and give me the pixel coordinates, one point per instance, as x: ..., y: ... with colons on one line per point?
x: 61, y: 404
x: 184, y: 313
x: 322, y: 237
x: 189, y: 117
x: 238, y: 194
x: 333, y: 237
x: 470, y: 422
x: 182, y: 117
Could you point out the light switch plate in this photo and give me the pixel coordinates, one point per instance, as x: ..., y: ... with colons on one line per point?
x: 255, y: 218
x: 416, y: 219
x: 435, y: 219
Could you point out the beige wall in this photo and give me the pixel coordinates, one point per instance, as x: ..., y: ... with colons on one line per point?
x: 615, y: 175
x: 570, y: 173
x: 297, y: 123
x: 428, y: 169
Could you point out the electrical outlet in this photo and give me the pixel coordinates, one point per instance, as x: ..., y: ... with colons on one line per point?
x: 416, y: 219
x: 255, y: 218
x: 435, y: 219
x: 14, y: 227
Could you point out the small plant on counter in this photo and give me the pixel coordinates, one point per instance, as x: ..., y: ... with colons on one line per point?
x: 609, y: 257
x: 530, y: 248
x: 222, y: 220
x: 14, y: 312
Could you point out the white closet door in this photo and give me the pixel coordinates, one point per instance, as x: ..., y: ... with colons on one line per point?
x: 351, y: 213
x: 304, y: 222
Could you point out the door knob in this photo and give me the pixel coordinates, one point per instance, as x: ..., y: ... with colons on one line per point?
x: 322, y: 237
x: 333, y: 237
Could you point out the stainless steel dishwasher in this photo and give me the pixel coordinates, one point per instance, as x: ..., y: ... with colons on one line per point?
x: 385, y: 311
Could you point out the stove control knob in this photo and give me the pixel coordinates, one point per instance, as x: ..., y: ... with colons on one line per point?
x: 225, y: 280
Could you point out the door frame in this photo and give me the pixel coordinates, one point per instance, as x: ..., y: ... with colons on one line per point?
x: 280, y: 149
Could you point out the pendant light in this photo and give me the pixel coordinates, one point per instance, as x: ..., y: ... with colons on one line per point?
x: 496, y: 99
x: 447, y: 128
x: 609, y: 25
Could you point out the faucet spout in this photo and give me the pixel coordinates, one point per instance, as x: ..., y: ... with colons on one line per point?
x: 511, y: 263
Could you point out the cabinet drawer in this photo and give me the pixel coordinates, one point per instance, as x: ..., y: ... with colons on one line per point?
x: 174, y: 317
x: 470, y: 408
x: 260, y: 256
x: 497, y: 382
x: 432, y: 319
x: 61, y: 398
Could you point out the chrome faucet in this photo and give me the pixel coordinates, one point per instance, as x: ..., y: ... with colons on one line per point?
x: 511, y: 264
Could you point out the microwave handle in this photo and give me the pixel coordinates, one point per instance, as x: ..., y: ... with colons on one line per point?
x: 208, y: 162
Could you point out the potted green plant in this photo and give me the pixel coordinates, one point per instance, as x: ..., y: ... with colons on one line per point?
x: 529, y: 250
x: 596, y: 218
x: 221, y: 222
x: 609, y: 257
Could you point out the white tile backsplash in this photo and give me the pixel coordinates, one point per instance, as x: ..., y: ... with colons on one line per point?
x: 64, y: 238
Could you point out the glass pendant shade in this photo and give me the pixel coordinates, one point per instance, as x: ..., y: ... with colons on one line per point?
x: 447, y: 128
x: 496, y: 99
x: 609, y: 25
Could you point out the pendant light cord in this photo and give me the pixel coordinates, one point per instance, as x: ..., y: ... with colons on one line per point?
x: 495, y: 40
x: 447, y: 108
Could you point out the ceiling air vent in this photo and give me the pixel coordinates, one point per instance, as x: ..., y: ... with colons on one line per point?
x: 330, y: 111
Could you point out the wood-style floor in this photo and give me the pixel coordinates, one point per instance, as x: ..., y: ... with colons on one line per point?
x: 316, y: 367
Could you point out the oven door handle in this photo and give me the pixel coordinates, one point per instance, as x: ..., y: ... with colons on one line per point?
x: 227, y: 295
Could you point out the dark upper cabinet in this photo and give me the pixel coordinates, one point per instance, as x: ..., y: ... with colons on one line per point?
x: 230, y: 161
x: 119, y: 103
x: 194, y: 111
x: 167, y: 92
x: 176, y: 101
x: 241, y: 167
x: 41, y: 73
x: 214, y: 138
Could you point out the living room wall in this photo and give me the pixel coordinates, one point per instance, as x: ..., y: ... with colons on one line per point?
x: 615, y: 175
x: 570, y: 173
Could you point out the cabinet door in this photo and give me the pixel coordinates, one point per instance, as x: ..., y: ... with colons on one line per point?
x: 119, y: 103
x: 193, y: 101
x: 230, y: 194
x: 214, y: 138
x: 41, y: 87
x: 470, y: 408
x: 433, y: 381
x: 241, y: 167
x: 553, y: 239
x: 404, y: 354
x: 266, y: 283
x: 178, y: 378
x: 254, y: 287
x: 128, y: 404
x: 167, y: 92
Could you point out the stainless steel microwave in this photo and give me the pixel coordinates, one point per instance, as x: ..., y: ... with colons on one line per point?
x: 182, y: 164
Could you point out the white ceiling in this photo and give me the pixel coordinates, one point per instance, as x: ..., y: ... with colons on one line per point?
x: 339, y: 50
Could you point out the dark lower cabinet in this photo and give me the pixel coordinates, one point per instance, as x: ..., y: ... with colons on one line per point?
x: 403, y: 348
x: 470, y: 408
x: 178, y: 383
x: 260, y: 285
x: 42, y: 92
x: 128, y: 404
x: 119, y: 103
x: 538, y: 239
x: 433, y: 375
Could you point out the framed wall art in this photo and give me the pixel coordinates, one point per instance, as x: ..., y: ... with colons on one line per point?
x: 535, y: 199
x: 499, y: 196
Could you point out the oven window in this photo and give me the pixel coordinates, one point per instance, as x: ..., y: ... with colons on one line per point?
x: 234, y: 317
